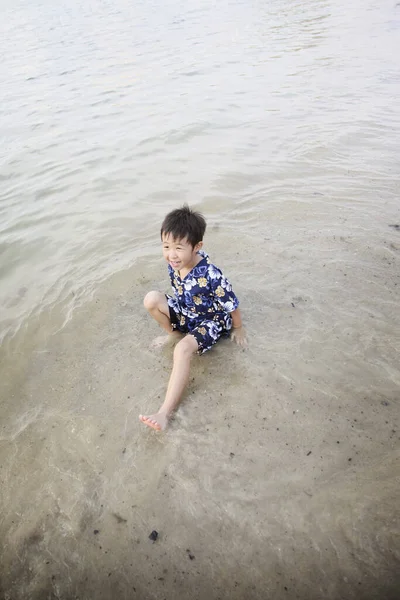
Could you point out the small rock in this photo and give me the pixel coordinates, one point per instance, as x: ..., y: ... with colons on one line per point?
x: 153, y: 536
x: 308, y: 453
x: 96, y: 531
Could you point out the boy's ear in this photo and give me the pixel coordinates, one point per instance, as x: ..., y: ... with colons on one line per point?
x: 198, y: 246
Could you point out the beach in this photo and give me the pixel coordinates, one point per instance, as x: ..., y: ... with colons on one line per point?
x: 278, y: 477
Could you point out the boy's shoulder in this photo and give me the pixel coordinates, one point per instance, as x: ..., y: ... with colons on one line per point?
x: 206, y: 257
x: 208, y: 267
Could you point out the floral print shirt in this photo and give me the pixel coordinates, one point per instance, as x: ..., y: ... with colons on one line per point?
x: 203, y: 295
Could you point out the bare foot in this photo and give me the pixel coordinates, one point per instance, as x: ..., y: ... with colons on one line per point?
x: 159, y: 421
x: 163, y: 340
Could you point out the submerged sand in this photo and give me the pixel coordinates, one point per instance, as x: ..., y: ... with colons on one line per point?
x: 278, y: 478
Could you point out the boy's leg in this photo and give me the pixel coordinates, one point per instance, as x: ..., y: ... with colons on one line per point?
x: 183, y: 353
x: 157, y: 305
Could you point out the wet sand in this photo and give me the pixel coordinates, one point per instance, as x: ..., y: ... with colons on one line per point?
x: 278, y: 477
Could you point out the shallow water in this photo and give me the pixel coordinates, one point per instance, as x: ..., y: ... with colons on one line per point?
x: 280, y: 473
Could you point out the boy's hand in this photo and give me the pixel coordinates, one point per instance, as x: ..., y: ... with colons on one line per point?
x: 238, y: 335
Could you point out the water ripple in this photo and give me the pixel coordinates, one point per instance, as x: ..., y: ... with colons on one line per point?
x: 138, y: 107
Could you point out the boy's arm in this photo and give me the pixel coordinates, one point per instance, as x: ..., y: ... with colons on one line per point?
x: 238, y: 334
x: 236, y: 319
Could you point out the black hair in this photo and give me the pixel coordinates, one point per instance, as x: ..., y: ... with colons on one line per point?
x: 184, y: 223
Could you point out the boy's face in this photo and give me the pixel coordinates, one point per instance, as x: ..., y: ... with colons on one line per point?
x: 179, y: 253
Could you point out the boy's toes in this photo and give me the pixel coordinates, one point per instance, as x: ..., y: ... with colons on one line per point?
x: 150, y: 422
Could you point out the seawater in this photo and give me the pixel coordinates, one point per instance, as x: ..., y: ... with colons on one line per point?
x: 112, y: 113
x: 280, y: 121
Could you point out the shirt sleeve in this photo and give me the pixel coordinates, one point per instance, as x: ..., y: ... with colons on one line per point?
x: 222, y: 289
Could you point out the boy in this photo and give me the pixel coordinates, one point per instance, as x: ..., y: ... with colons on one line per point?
x: 203, y: 307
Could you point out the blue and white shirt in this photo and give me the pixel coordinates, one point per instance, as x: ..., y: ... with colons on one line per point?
x: 203, y: 295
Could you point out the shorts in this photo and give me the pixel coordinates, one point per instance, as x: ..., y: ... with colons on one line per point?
x: 206, y: 333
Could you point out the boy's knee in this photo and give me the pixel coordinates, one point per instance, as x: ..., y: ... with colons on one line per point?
x: 151, y: 300
x: 186, y: 347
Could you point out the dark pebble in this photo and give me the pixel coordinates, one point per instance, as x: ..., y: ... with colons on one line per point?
x: 96, y: 531
x: 385, y: 403
x: 308, y: 453
x: 231, y: 454
x: 292, y: 304
x: 191, y: 556
x: 153, y: 536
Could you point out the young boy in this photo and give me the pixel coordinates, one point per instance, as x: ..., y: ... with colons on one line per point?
x: 203, y: 308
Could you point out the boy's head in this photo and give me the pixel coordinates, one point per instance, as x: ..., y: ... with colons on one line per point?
x: 184, y: 224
